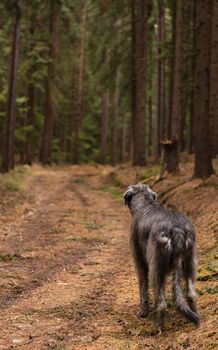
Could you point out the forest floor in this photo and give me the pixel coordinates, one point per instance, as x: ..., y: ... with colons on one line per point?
x: 67, y: 279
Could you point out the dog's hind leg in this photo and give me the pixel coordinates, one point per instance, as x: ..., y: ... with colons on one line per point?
x: 189, y: 272
x: 142, y: 271
x: 160, y: 303
x: 158, y: 272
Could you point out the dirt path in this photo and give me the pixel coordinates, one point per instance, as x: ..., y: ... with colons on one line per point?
x: 68, y: 281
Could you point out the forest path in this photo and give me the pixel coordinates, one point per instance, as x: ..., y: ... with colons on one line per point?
x: 68, y: 281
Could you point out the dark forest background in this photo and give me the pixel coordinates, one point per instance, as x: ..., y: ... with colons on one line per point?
x: 109, y: 81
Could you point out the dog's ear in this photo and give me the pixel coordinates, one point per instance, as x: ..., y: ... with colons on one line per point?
x: 152, y: 194
x: 128, y: 195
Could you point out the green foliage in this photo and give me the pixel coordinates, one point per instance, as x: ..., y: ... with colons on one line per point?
x: 57, y: 154
x: 20, y: 134
x: 107, y: 45
x: 14, y: 181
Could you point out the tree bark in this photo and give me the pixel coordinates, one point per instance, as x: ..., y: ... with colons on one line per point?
x: 160, y: 78
x: 31, y: 96
x: 123, y: 149
x: 192, y: 70
x: 176, y: 107
x: 203, y: 156
x: 115, y: 117
x: 214, y: 80
x: 79, y: 90
x: 170, y: 155
x: 46, y: 146
x: 8, y: 143
x: 104, y: 127
x: 171, y: 71
x: 139, y: 41
x: 150, y: 113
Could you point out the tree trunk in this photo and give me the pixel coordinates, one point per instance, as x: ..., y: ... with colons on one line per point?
x: 214, y: 80
x: 171, y: 71
x: 123, y: 149
x: 203, y: 156
x: 29, y: 151
x: 170, y: 155
x: 8, y: 143
x: 31, y: 96
x: 104, y: 127
x: 150, y: 126
x: 139, y: 41
x: 115, y: 117
x: 160, y: 79
x: 191, y: 120
x: 46, y: 146
x: 176, y: 108
x: 79, y: 92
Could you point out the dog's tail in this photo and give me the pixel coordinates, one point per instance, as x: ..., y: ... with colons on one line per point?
x: 179, y: 299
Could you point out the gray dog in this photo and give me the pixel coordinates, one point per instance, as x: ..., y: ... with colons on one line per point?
x: 162, y: 241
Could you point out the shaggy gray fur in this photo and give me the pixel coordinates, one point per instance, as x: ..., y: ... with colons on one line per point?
x: 162, y: 242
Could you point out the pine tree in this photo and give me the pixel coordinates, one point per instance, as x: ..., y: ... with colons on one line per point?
x: 78, y: 116
x: 213, y: 80
x: 8, y: 144
x: 203, y: 154
x: 46, y: 146
x: 139, y: 32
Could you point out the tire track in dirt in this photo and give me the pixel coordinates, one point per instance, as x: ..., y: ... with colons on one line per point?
x: 93, y: 254
x: 77, y: 279
x: 33, y: 230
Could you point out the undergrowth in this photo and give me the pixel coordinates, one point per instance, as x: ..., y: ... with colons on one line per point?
x: 113, y: 191
x: 121, y: 177
x: 14, y: 180
x: 10, y: 257
x: 148, y: 173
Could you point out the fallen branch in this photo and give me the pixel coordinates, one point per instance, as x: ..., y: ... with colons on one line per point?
x: 208, y: 277
x: 169, y: 189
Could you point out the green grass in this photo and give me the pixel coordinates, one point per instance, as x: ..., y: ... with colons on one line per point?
x: 57, y: 230
x: 79, y: 181
x: 113, y: 191
x: 10, y: 257
x: 14, y: 180
x: 208, y: 290
x: 114, y: 180
x: 150, y: 172
x: 210, y: 185
x: 209, y: 265
x: 59, y: 346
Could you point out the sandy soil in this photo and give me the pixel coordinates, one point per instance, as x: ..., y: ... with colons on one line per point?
x: 67, y: 278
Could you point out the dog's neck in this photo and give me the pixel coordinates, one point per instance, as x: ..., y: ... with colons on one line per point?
x: 140, y: 203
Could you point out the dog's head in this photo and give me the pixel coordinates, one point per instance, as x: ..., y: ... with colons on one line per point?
x: 143, y: 190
